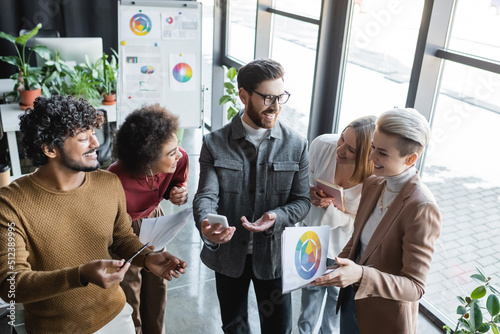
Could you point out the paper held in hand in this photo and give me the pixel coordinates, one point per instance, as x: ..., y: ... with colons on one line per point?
x: 332, y: 190
x: 160, y: 231
x: 303, y: 255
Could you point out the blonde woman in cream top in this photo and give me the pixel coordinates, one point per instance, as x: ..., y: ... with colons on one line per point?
x: 341, y: 159
x: 322, y: 165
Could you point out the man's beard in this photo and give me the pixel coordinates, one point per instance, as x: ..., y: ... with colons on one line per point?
x: 76, y: 165
x: 255, y: 116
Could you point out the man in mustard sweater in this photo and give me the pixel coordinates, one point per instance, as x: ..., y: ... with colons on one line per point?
x: 57, y: 224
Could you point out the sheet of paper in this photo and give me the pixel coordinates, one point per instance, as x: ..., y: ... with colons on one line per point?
x: 143, y: 24
x: 183, y: 72
x: 146, y: 228
x: 303, y: 255
x: 180, y: 25
x: 143, y: 73
x: 161, y: 230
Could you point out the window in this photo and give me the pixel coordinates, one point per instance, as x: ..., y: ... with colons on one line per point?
x: 475, y: 28
x: 294, y: 46
x: 461, y: 169
x: 241, y: 30
x: 380, y: 57
x: 310, y: 9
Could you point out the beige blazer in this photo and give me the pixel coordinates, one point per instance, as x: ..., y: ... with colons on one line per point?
x: 397, y: 258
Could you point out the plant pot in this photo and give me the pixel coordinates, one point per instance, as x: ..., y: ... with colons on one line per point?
x: 28, y: 97
x: 109, y: 100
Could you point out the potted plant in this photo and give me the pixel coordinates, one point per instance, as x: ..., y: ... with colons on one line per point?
x: 231, y: 96
x: 28, y: 78
x: 86, y: 81
x: 470, y: 311
x: 109, y: 78
x: 57, y: 76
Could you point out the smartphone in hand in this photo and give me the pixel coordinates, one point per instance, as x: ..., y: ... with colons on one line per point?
x: 217, y: 219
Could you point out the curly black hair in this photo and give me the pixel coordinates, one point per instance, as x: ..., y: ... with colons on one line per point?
x: 140, y: 139
x: 52, y: 120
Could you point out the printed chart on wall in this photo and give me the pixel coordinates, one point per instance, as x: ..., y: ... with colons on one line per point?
x: 160, y: 58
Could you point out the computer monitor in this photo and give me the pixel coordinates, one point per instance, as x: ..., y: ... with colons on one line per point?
x: 72, y: 49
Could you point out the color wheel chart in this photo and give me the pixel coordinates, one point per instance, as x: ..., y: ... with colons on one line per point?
x: 140, y: 24
x: 159, y: 46
x: 182, y: 72
x: 308, y: 255
x: 304, y: 250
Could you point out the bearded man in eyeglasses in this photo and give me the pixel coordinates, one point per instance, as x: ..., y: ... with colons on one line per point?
x: 254, y: 171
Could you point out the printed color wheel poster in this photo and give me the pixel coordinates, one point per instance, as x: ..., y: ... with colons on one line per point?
x: 303, y: 255
x: 182, y: 70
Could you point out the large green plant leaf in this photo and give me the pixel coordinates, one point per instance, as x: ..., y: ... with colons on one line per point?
x: 51, y: 77
x: 8, y: 37
x: 493, y: 305
x: 476, y: 316
x: 13, y: 60
x: 46, y: 91
x: 229, y: 85
x: 494, y: 289
x: 465, y: 324
x: 478, y: 292
x: 481, y: 271
x: 494, y: 329
x: 231, y: 112
x: 479, y: 278
x: 484, y: 328
x: 21, y: 40
x: 224, y: 99
x: 231, y: 73
x: 31, y: 81
x: 42, y: 51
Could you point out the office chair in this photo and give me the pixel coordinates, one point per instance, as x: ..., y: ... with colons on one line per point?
x: 104, y: 137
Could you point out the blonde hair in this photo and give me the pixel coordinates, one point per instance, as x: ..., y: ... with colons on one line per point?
x: 364, y: 128
x: 409, y: 125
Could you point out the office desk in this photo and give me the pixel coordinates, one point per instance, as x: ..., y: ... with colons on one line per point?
x: 6, y: 85
x: 9, y: 116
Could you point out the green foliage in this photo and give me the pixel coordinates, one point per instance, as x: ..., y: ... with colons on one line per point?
x: 108, y: 76
x: 86, y: 82
x: 231, y: 96
x: 28, y: 77
x: 472, y: 319
x: 58, y: 76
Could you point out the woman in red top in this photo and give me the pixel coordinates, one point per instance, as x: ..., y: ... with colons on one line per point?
x: 151, y: 167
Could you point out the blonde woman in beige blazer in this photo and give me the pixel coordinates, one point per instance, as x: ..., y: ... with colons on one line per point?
x: 383, y: 268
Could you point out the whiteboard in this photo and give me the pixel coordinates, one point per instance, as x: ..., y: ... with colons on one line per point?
x: 160, y: 60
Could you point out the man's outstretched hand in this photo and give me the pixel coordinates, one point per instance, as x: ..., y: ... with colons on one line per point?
x: 165, y: 265
x: 261, y: 224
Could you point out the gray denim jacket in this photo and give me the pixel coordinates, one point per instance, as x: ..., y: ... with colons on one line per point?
x: 227, y: 187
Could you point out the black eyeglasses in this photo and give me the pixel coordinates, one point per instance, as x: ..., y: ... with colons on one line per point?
x: 269, y: 100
